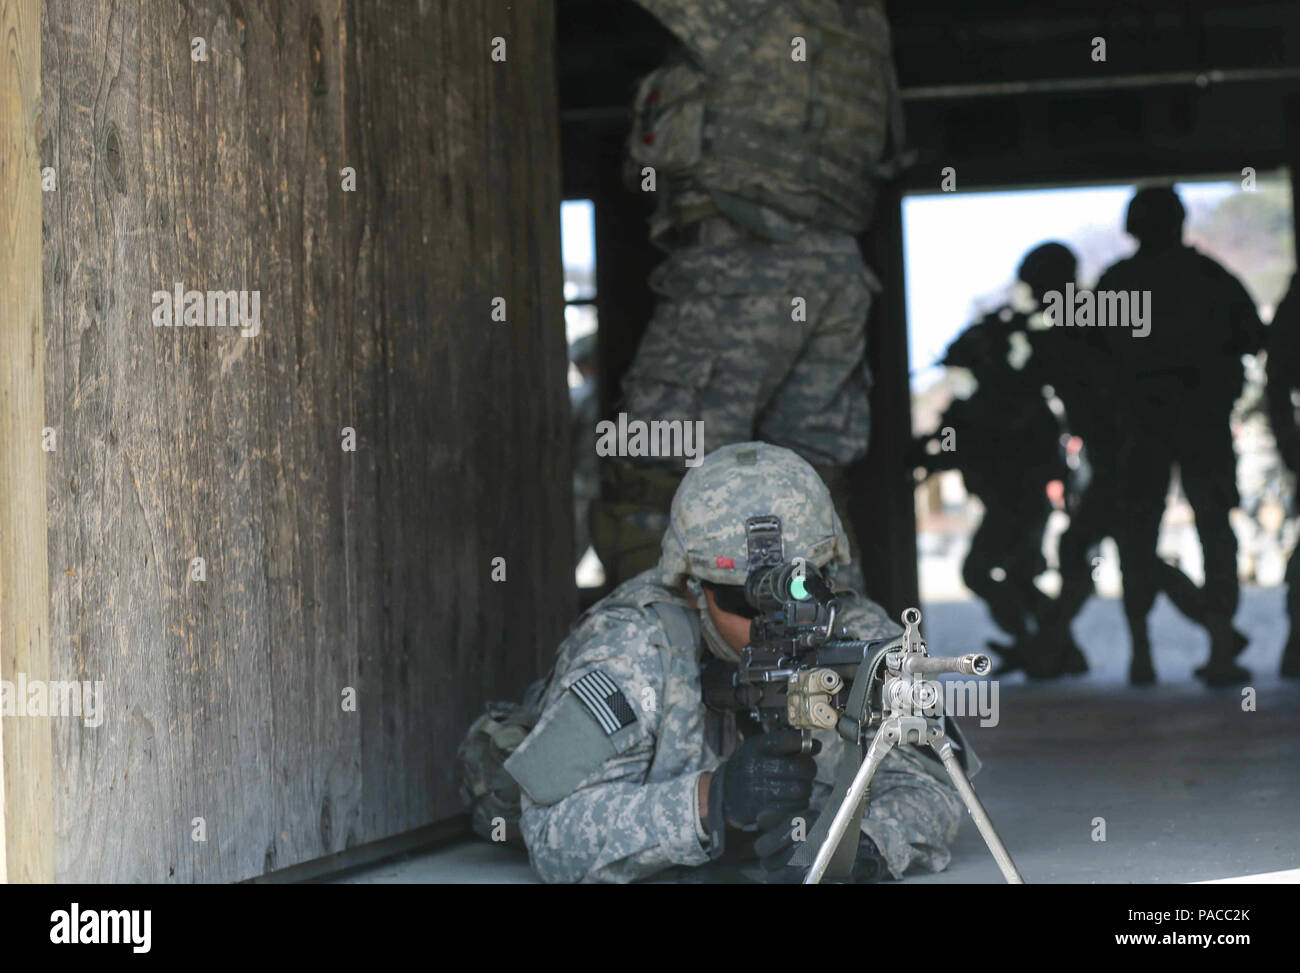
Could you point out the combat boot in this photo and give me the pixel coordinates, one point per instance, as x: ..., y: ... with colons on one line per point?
x: 1239, y: 640
x: 1140, y: 670
x: 1226, y: 643
x: 1291, y: 658
x: 1051, y: 656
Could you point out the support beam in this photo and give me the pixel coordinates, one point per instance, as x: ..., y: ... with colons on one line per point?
x: 26, y: 803
x: 1292, y: 155
x: 883, y: 504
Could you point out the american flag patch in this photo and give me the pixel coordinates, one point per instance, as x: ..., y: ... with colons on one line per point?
x: 605, y: 701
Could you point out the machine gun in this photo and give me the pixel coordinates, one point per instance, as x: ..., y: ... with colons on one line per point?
x: 797, y: 672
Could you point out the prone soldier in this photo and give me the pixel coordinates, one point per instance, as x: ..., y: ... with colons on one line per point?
x: 627, y: 774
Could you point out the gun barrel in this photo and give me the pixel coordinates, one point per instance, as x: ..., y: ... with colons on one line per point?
x: 971, y: 664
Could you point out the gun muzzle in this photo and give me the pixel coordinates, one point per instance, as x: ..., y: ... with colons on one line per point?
x: 972, y: 664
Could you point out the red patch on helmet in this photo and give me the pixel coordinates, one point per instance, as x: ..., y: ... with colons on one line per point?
x: 725, y: 562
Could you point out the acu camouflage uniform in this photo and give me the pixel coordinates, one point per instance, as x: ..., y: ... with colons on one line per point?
x: 612, y: 796
x: 765, y: 168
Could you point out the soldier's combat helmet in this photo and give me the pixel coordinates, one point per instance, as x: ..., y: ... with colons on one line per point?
x: 1047, y: 267
x: 706, y: 536
x: 1155, y: 215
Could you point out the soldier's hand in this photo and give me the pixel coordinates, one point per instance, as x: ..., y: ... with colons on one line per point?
x: 783, y: 831
x: 768, y: 771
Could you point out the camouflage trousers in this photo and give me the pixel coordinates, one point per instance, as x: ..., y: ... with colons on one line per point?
x: 760, y: 340
x: 757, y: 340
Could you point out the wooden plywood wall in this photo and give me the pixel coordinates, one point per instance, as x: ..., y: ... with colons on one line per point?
x: 26, y: 833
x: 323, y: 568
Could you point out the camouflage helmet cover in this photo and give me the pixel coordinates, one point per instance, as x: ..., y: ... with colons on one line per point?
x: 706, y: 530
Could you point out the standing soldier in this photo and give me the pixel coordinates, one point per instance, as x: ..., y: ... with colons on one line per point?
x: 1077, y: 369
x: 1283, y: 383
x: 762, y: 141
x: 1006, y: 441
x: 1178, y: 379
x: 1073, y: 370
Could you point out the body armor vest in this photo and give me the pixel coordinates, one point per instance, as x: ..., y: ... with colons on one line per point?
x: 789, y: 114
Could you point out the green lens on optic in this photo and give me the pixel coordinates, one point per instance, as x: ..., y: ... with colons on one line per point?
x: 797, y: 589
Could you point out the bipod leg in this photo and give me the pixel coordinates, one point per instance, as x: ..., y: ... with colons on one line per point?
x: 982, y: 821
x: 880, y: 746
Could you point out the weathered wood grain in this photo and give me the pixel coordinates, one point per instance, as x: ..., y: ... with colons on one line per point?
x: 326, y: 569
x: 26, y: 832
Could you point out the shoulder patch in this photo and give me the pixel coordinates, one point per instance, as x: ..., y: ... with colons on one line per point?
x: 604, y: 700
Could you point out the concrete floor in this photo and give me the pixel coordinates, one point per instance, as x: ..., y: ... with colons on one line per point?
x: 1191, y: 787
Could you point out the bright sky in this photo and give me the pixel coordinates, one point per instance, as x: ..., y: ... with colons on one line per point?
x: 578, y: 233
x: 959, y: 246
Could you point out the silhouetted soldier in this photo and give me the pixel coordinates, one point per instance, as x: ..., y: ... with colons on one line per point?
x: 1065, y: 366
x: 1074, y: 364
x: 1005, y: 440
x: 1176, y: 387
x: 1283, y: 381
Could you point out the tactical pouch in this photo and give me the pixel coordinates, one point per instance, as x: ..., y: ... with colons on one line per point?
x: 629, y: 519
x: 627, y: 537
x: 487, y: 790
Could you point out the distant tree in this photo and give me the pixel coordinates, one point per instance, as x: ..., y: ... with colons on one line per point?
x: 1251, y: 234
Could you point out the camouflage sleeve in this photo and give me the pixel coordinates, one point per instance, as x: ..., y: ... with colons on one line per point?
x: 613, y: 826
x: 862, y: 618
